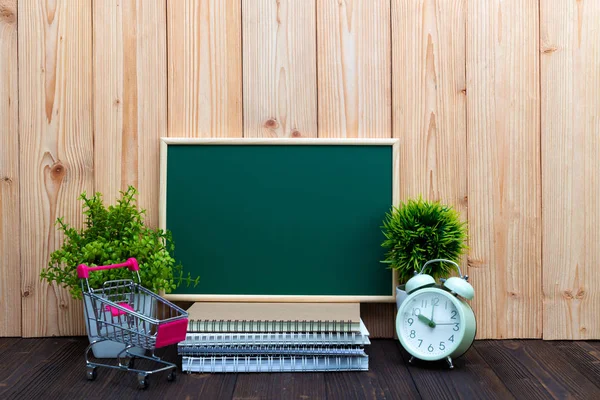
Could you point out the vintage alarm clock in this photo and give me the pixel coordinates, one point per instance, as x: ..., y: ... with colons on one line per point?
x: 435, y: 322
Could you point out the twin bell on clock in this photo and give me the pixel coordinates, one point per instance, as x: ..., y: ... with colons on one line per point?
x: 435, y: 322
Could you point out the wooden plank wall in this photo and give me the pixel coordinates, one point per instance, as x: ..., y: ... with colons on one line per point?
x: 130, y: 98
x: 496, y: 105
x: 570, y: 97
x: 279, y: 68
x: 10, y: 274
x: 204, y: 68
x: 503, y: 166
x: 56, y: 149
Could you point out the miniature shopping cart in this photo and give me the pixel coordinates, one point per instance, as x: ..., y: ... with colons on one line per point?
x: 124, y: 311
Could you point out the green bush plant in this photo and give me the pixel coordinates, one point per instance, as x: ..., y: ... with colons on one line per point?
x: 111, y: 235
x: 418, y: 231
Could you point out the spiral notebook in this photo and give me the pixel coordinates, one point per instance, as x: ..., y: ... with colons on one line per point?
x: 274, y: 317
x: 218, y: 339
x: 283, y: 363
x: 271, y: 350
x: 274, y: 337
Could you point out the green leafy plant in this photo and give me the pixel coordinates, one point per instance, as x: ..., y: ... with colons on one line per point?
x: 111, y: 235
x: 418, y: 231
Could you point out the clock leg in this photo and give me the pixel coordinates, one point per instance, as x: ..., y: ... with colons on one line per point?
x: 411, y: 360
x: 449, y: 360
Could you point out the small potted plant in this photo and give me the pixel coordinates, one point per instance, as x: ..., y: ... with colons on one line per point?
x: 418, y: 231
x: 111, y: 235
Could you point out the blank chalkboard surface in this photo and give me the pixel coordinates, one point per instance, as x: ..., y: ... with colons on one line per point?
x: 280, y: 220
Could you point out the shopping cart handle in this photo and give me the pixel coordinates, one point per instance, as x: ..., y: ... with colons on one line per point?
x: 83, y: 271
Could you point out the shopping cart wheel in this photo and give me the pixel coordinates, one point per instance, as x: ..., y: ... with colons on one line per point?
x: 172, y: 376
x: 91, y: 373
x: 142, y: 381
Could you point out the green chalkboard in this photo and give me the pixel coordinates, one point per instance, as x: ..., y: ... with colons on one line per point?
x: 293, y: 219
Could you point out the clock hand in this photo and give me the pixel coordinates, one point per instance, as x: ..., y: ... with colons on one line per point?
x: 426, y: 320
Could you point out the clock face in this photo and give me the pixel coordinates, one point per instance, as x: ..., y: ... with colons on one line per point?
x: 430, y: 325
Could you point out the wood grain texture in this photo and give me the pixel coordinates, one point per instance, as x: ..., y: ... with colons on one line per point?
x: 472, y: 378
x: 570, y: 52
x: 380, y: 319
x: 33, y: 362
x: 537, y: 370
x: 354, y: 62
x: 56, y: 149
x: 7, y: 344
x: 205, y: 68
x: 388, y: 375
x: 10, y: 274
x: 52, y: 368
x: 429, y: 98
x: 592, y: 347
x: 275, y: 386
x: 504, y: 178
x: 279, y: 68
x: 353, y: 386
x: 25, y: 356
x: 582, y: 356
x: 130, y: 98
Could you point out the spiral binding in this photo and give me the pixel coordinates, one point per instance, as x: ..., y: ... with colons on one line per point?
x: 271, y: 363
x: 285, y: 326
x: 201, y: 349
x: 277, y: 338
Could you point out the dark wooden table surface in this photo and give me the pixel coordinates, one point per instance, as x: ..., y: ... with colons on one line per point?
x: 54, y: 368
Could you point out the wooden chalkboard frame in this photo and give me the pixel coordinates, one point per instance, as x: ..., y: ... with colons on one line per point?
x: 169, y: 141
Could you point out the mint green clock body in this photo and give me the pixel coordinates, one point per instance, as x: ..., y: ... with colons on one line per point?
x: 435, y: 322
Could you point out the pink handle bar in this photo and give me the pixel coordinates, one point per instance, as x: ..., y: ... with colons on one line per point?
x: 83, y: 271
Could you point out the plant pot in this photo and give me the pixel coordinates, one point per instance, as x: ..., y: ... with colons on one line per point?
x: 110, y: 348
x: 401, y: 295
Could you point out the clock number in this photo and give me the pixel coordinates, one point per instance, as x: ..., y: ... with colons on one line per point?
x: 453, y: 314
x: 442, y: 346
x: 420, y: 342
x: 430, y: 348
x: 424, y: 303
x: 451, y: 339
x: 412, y: 334
x: 416, y: 311
x: 435, y: 302
x: 410, y: 321
x: 456, y: 327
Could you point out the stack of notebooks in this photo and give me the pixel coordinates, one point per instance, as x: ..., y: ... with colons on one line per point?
x: 274, y: 337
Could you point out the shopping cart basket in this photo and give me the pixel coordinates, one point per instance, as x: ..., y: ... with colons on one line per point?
x: 124, y: 311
